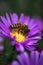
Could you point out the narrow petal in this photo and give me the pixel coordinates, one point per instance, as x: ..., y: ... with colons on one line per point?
x: 19, y: 47
x: 26, y: 20
x: 30, y: 47
x: 4, y: 21
x: 4, y: 33
x: 4, y: 27
x: 1, y: 35
x: 36, y: 37
x: 32, y: 58
x: 21, y: 17
x: 13, y: 43
x: 33, y: 26
x: 14, y: 18
x: 31, y: 42
x: 8, y: 19
x: 23, y: 59
x: 14, y: 63
x: 39, y: 22
x: 41, y: 58
x: 36, y: 57
x: 34, y: 32
x: 31, y: 23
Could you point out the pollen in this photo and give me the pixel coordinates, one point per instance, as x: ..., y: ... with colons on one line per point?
x: 18, y: 36
x: 19, y: 31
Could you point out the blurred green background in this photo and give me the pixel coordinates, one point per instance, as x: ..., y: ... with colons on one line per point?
x: 28, y: 7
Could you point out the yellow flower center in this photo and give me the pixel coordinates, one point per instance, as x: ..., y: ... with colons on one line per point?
x: 19, y: 31
x: 19, y: 37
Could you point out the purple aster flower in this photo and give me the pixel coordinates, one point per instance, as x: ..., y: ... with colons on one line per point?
x: 34, y: 58
x: 23, y: 32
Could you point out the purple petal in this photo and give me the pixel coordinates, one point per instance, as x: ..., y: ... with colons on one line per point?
x: 13, y: 43
x: 26, y: 20
x: 39, y: 23
x: 31, y: 23
x: 14, y: 63
x: 1, y: 47
x: 19, y: 47
x: 14, y: 18
x: 41, y: 58
x: 32, y: 58
x: 31, y: 42
x: 4, y: 33
x: 36, y: 57
x: 23, y: 59
x: 4, y: 27
x: 42, y: 25
x: 21, y: 17
x: 1, y: 35
x: 30, y: 47
x: 34, y: 32
x: 4, y: 21
x: 8, y: 19
x: 32, y: 27
x: 35, y: 37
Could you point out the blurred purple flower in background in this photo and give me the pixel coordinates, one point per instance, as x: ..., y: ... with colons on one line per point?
x: 1, y: 39
x: 23, y: 32
x: 34, y: 58
x: 1, y: 45
x: 39, y: 22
